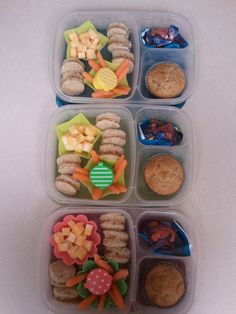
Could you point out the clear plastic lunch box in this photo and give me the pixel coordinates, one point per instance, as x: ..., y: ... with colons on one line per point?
x: 145, y: 57
x: 137, y: 154
x: 139, y: 256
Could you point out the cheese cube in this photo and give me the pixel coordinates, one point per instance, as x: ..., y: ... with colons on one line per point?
x: 80, y: 138
x: 73, y: 251
x: 84, y: 35
x: 90, y: 54
x: 69, y: 142
x: 71, y: 223
x: 80, y: 240
x: 58, y: 237
x: 94, y: 44
x: 87, y: 147
x: 81, y: 47
x: 73, y: 52
x: 81, y: 55
x: 71, y: 237
x: 66, y: 231
x: 64, y: 246
x: 90, y: 130
x: 73, y: 130
x: 73, y: 44
x: 88, y: 245
x: 86, y: 42
x: 73, y: 37
x: 78, y: 229
x: 88, y: 230
x: 78, y: 148
x: 89, y: 139
x: 93, y: 34
x: 81, y: 253
x: 81, y: 128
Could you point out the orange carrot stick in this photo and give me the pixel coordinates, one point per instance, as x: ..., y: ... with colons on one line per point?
x: 101, y: 302
x: 82, y: 170
x: 103, y: 264
x: 120, y: 92
x: 87, y: 76
x: 87, y: 301
x: 74, y: 281
x: 123, y: 74
x: 101, y: 60
x: 94, y: 65
x: 125, y: 88
x: 81, y: 177
x: 122, y: 157
x: 121, y: 274
x: 95, y: 157
x: 102, y: 94
x: 114, y: 189
x: 122, y: 188
x: 123, y: 65
x: 96, y: 193
x: 116, y: 297
x: 119, y: 170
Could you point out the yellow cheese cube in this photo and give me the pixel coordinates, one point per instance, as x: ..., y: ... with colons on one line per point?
x: 58, y: 237
x: 90, y: 130
x: 80, y: 138
x: 84, y: 35
x: 80, y: 240
x: 88, y: 230
x: 71, y: 223
x: 78, y: 148
x: 89, y: 139
x: 73, y: 37
x: 81, y: 253
x: 73, y: 251
x: 94, y: 44
x: 81, y: 55
x: 93, y: 34
x: 71, y: 237
x: 81, y: 47
x: 73, y: 130
x: 81, y: 128
x: 91, y: 54
x: 87, y: 147
x: 69, y: 142
x: 73, y: 52
x: 66, y: 231
x: 88, y: 245
x: 78, y: 229
x: 64, y: 246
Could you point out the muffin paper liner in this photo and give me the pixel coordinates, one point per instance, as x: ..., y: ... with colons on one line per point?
x: 161, y: 197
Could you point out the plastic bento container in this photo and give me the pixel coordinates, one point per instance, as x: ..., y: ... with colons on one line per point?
x: 45, y: 257
x: 137, y: 21
x: 138, y: 193
x: 50, y: 169
x: 146, y: 259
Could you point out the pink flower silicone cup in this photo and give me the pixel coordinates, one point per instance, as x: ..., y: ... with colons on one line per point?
x: 95, y: 237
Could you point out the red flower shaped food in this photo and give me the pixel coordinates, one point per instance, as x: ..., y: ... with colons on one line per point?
x: 75, y: 239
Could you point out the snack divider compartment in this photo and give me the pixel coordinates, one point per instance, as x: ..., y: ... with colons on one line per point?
x: 146, y: 260
x: 45, y: 256
x: 137, y: 154
x: 145, y: 57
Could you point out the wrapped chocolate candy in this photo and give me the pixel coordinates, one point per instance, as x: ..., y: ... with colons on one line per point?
x: 164, y: 237
x: 155, y: 132
x: 163, y: 37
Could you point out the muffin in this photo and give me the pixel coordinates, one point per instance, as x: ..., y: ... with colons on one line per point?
x: 164, y: 285
x: 163, y: 174
x: 165, y: 80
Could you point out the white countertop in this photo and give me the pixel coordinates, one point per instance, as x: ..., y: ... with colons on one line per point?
x: 27, y: 100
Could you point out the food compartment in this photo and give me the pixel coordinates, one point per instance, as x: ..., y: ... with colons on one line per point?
x: 172, y: 115
x: 51, y: 154
x: 184, y: 58
x: 144, y: 194
x: 174, y: 289
x: 47, y: 256
x: 101, y: 20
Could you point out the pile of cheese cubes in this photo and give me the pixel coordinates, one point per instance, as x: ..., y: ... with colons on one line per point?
x: 84, y: 46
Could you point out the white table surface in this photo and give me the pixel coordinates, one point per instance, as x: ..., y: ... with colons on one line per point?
x: 27, y: 100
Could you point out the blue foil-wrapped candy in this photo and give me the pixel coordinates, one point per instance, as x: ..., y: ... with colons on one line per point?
x: 163, y: 37
x: 155, y: 132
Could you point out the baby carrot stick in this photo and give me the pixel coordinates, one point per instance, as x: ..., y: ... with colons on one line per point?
x: 101, y: 302
x: 113, y: 188
x: 94, y: 65
x: 116, y: 297
x: 122, y: 188
x: 87, y: 76
x: 96, y: 193
x: 121, y: 274
x: 103, y: 264
x: 102, y: 94
x: 123, y: 65
x: 123, y: 74
x: 82, y: 171
x: 81, y: 177
x: 118, y: 162
x: 119, y: 91
x: 87, y: 301
x: 119, y: 170
x: 125, y: 88
x: 74, y: 281
x: 101, y: 60
x: 95, y: 157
